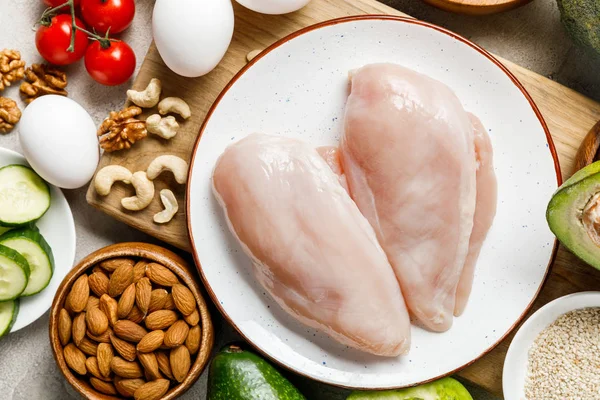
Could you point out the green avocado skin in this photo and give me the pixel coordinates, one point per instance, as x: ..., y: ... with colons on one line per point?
x: 443, y: 389
x: 242, y: 375
x: 581, y: 19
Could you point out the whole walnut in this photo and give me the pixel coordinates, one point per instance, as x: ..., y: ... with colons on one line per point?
x: 9, y: 114
x: 12, y: 68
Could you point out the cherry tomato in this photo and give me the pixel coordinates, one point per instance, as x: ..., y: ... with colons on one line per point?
x: 53, y: 41
x: 104, y: 14
x: 110, y: 66
x: 56, y: 3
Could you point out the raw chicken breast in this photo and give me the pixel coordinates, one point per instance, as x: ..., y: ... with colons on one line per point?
x: 331, y: 155
x: 311, y: 248
x: 408, y: 156
x: 485, y: 211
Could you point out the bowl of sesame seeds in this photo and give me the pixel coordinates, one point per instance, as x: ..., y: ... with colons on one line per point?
x: 555, y: 355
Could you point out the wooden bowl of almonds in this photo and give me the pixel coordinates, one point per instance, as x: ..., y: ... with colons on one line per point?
x: 129, y: 322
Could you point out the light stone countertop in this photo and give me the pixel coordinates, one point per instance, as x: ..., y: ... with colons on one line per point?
x: 531, y: 36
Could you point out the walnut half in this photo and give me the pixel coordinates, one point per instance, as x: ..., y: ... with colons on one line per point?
x: 9, y: 114
x: 121, y: 130
x: 12, y: 68
x: 43, y: 79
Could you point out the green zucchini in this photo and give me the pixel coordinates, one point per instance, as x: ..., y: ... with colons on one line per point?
x: 24, y: 196
x: 14, y: 273
x: 32, y: 245
x: 8, y: 315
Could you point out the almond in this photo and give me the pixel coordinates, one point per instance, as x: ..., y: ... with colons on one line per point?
x: 184, y: 299
x: 139, y: 270
x: 151, y: 342
x: 126, y: 302
x: 158, y: 297
x: 176, y: 334
x: 135, y: 315
x: 143, y: 293
x: 103, y: 387
x: 64, y: 326
x: 169, y: 303
x: 105, y: 355
x: 192, y: 342
x: 161, y: 319
x: 114, y: 263
x: 130, y: 331
x: 104, y: 338
x: 98, y: 282
x: 75, y: 359
x: 88, y: 346
x: 128, y: 386
x: 97, y: 268
x: 161, y: 275
x: 93, y: 302
x: 193, y: 318
x: 91, y: 364
x: 120, y: 280
x: 79, y: 328
x: 109, y: 307
x: 150, y: 364
x: 164, y: 365
x: 78, y: 296
x: 180, y: 362
x: 126, y: 369
x: 125, y: 349
x: 97, y: 323
x: 152, y: 390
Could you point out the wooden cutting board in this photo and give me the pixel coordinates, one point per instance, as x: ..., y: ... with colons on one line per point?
x: 569, y: 116
x: 477, y: 7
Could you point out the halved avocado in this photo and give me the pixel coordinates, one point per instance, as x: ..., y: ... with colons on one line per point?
x: 444, y: 389
x: 573, y: 214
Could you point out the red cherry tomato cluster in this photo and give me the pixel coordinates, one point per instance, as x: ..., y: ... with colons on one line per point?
x: 108, y: 61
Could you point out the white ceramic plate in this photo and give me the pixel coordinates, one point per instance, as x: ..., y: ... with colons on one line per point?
x: 298, y: 88
x: 58, y: 229
x: 515, y: 364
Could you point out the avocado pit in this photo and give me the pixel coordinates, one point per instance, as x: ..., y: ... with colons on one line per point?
x: 590, y: 218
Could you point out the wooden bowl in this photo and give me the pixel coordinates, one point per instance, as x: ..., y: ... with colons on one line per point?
x: 136, y: 250
x: 477, y: 7
x: 589, y: 149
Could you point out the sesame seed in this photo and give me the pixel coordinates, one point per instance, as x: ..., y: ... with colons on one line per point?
x: 564, y: 360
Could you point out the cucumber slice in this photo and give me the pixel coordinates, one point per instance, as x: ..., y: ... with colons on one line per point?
x: 24, y: 196
x: 32, y: 245
x: 4, y: 229
x: 14, y: 273
x: 8, y: 315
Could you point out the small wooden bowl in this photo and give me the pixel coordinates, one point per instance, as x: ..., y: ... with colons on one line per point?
x: 477, y: 7
x: 589, y: 149
x: 137, y: 250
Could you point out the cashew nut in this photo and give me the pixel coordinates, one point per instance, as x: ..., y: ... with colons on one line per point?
x: 171, y: 207
x: 148, y: 97
x: 165, y: 127
x: 109, y: 175
x: 144, y: 193
x: 174, y: 105
x: 252, y: 55
x: 172, y: 163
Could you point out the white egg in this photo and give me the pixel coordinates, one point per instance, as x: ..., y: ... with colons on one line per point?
x: 59, y: 140
x: 274, y: 6
x: 192, y: 36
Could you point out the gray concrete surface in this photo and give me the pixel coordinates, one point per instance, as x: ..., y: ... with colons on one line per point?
x: 531, y: 36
